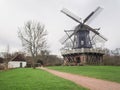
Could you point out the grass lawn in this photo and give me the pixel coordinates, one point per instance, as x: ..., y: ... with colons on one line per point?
x: 34, y: 79
x: 111, y: 73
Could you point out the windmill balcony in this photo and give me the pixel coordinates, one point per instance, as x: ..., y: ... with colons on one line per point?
x: 82, y: 50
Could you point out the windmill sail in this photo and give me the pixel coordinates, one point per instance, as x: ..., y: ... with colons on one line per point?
x: 96, y: 40
x: 67, y: 36
x: 71, y: 15
x: 92, y: 15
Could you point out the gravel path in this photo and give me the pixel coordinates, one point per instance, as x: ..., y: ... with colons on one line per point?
x: 91, y: 83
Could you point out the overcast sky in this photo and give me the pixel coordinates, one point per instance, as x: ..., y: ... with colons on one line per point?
x: 14, y: 13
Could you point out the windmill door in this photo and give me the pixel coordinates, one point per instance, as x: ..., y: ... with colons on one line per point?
x: 78, y: 60
x: 20, y: 64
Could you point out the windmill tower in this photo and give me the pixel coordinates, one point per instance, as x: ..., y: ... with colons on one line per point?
x: 80, y: 44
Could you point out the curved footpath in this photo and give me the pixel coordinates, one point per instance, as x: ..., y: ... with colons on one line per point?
x: 90, y: 83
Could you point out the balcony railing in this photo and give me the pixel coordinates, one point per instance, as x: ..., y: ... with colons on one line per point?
x: 82, y: 50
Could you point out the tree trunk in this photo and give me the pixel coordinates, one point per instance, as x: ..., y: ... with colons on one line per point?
x: 34, y: 62
x: 6, y: 66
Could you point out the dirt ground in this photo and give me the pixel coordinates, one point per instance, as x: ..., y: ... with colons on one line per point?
x: 90, y: 83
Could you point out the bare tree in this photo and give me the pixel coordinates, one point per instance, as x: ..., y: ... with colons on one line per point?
x: 6, y: 56
x: 116, y: 52
x: 33, y: 38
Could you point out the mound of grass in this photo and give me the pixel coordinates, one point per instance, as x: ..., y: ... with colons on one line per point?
x: 34, y: 79
x: 111, y: 73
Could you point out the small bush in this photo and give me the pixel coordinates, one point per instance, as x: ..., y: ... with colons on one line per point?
x: 2, y: 66
x: 111, y: 60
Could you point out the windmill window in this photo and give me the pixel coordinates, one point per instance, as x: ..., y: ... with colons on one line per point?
x: 82, y: 42
x: 89, y: 43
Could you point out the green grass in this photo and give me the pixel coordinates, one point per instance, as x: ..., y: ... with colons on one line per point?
x: 34, y: 79
x: 111, y: 73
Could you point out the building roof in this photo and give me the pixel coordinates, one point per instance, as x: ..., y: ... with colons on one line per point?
x: 18, y: 57
x: 1, y: 60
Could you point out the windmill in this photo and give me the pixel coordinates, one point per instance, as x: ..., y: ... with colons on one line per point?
x: 83, y: 37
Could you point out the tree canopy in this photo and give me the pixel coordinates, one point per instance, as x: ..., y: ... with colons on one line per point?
x: 33, y: 37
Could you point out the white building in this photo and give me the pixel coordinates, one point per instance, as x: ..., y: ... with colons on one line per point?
x: 16, y: 64
x: 17, y: 61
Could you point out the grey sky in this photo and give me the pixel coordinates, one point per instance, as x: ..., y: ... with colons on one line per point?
x: 14, y: 13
